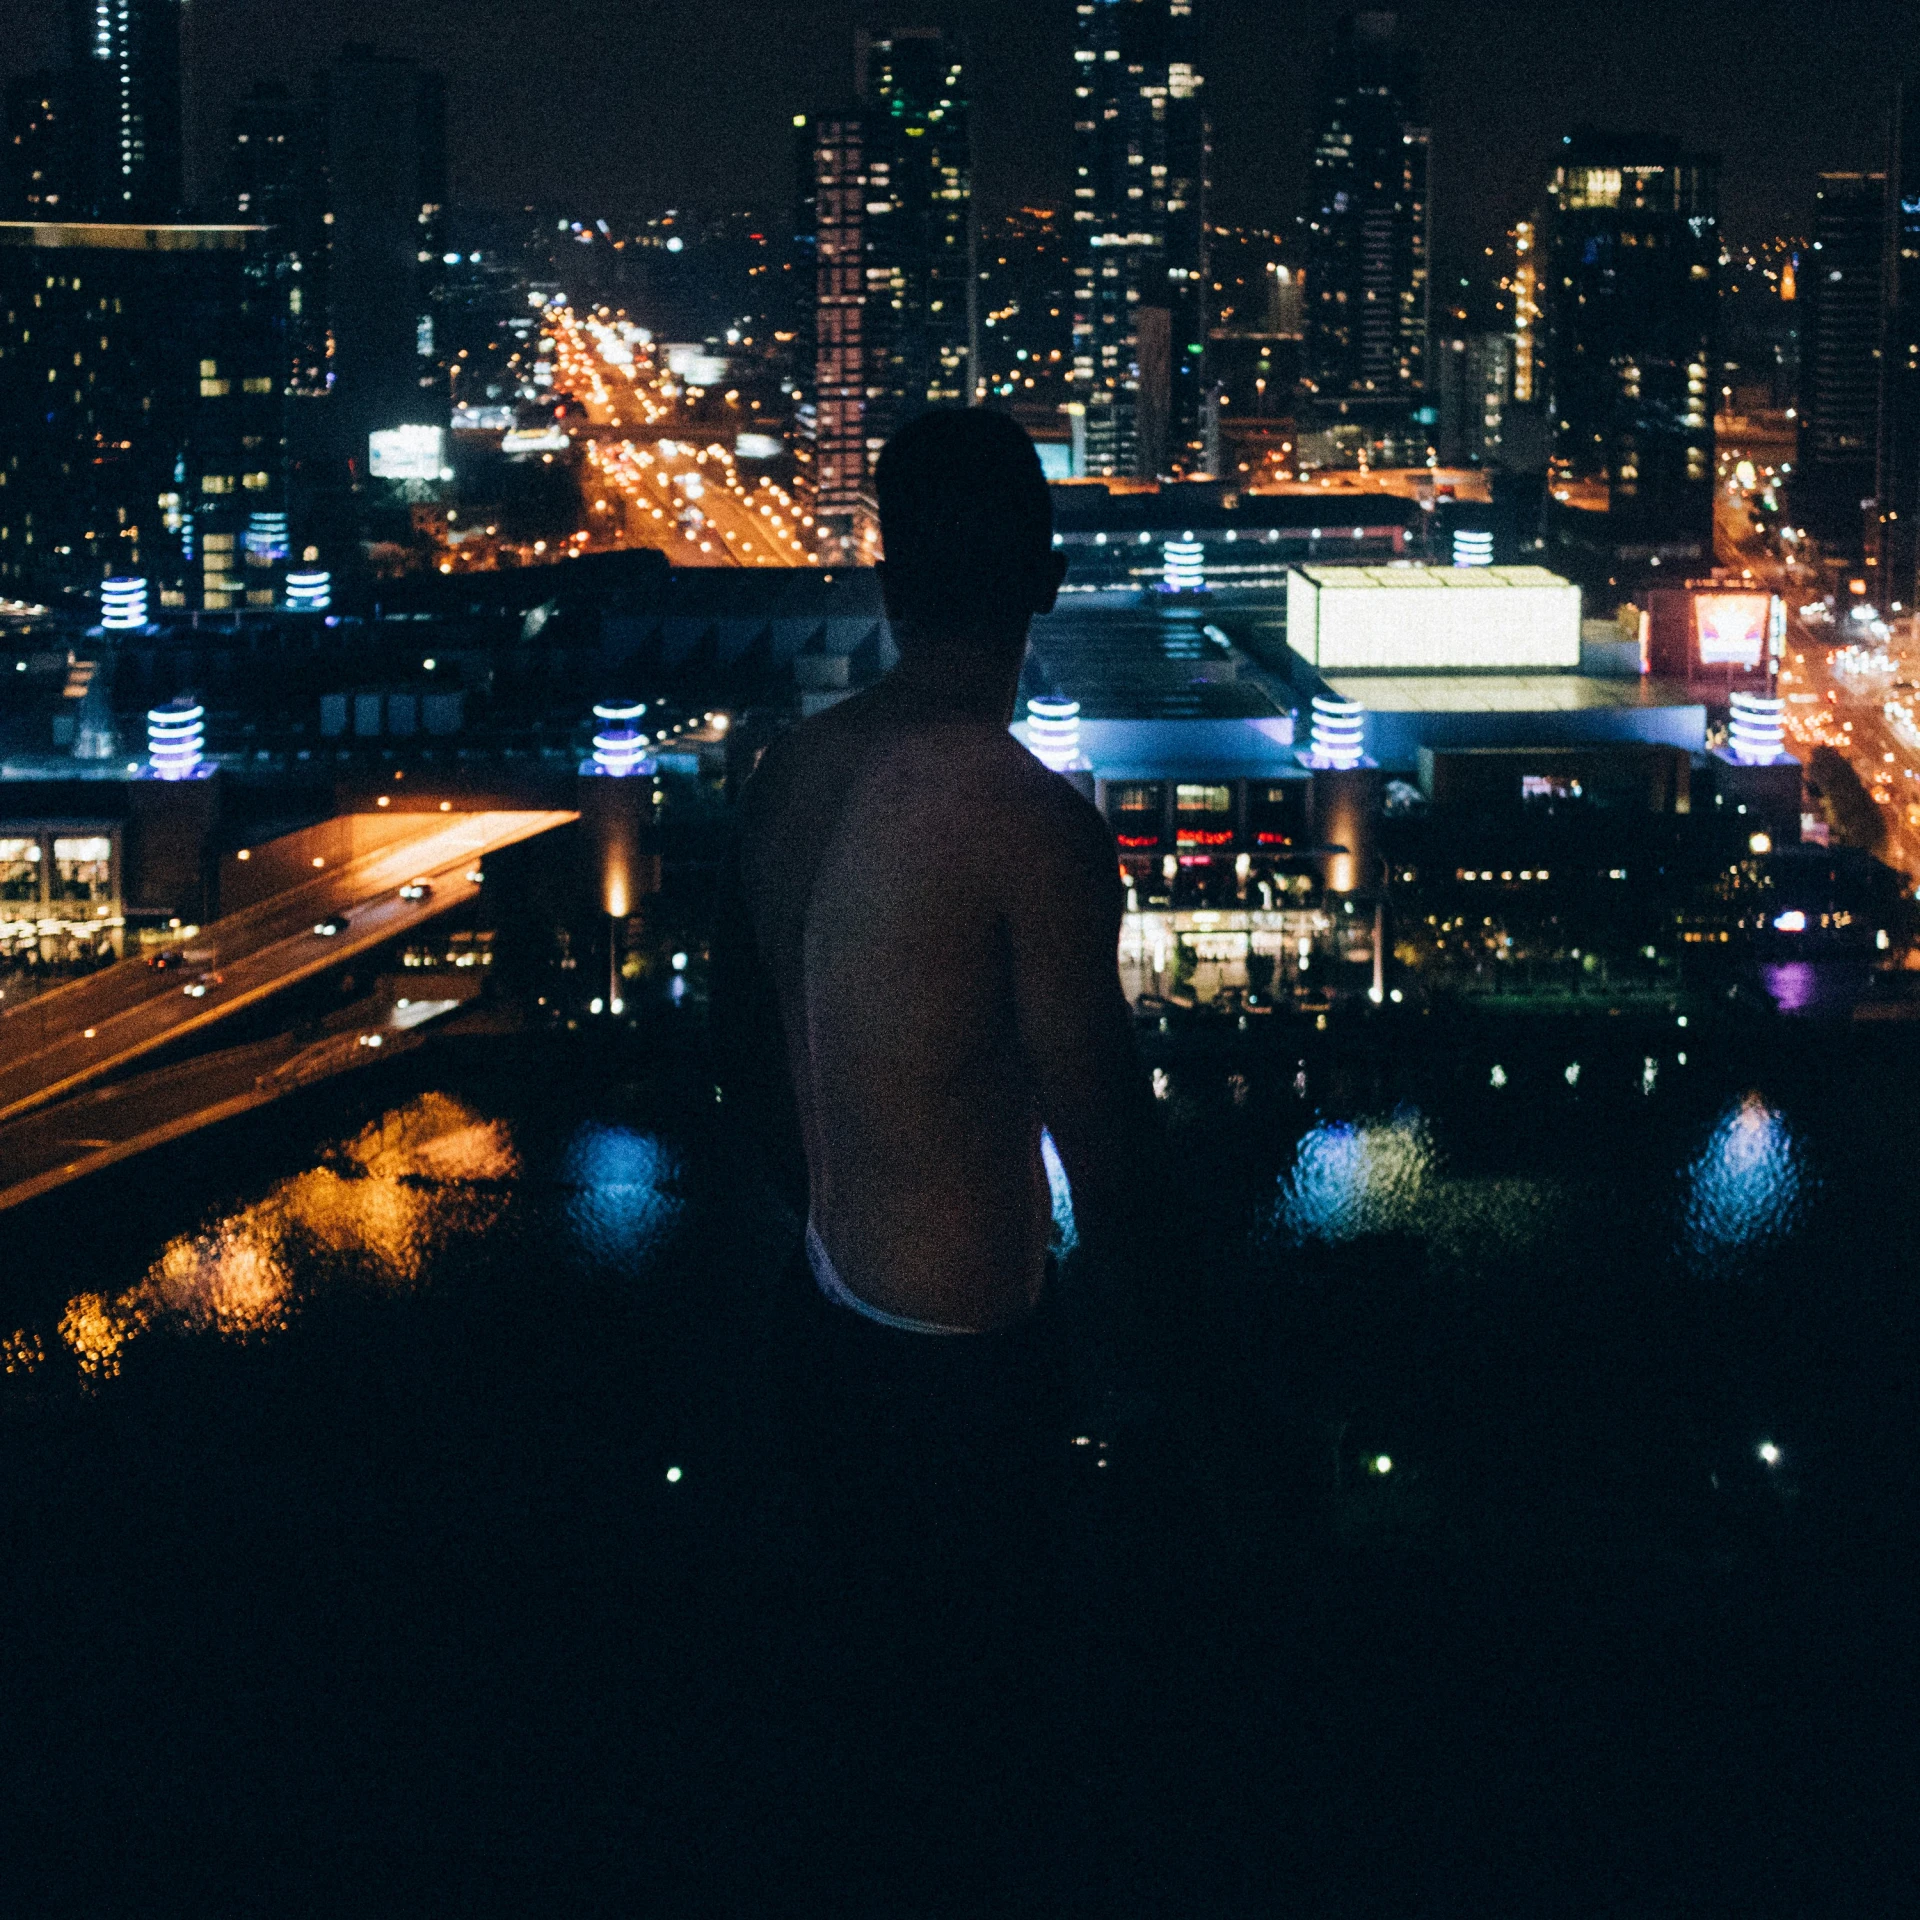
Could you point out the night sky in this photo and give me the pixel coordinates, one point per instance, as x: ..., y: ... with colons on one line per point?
x: 628, y: 105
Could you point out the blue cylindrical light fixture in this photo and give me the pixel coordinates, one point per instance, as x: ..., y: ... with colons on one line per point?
x: 1183, y: 566
x: 1339, y: 732
x: 1756, y: 729
x: 123, y: 604
x: 1053, y: 733
x: 176, y: 739
x: 310, y: 592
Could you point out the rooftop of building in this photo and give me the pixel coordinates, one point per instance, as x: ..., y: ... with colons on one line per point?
x: 1201, y: 507
x: 1127, y: 665
x: 126, y: 236
x: 1416, y: 574
x: 1506, y: 692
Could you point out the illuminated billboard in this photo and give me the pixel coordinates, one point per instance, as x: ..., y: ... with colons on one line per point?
x: 408, y: 453
x: 1730, y: 629
x: 1718, y: 634
x: 1444, y: 619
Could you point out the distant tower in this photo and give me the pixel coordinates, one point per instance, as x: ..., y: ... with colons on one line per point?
x: 1368, y: 231
x: 126, y: 66
x: 914, y: 86
x: 847, y: 353
x: 1140, y: 185
x: 1841, y: 307
x: 1897, y: 484
x: 1630, y: 282
x: 387, y: 188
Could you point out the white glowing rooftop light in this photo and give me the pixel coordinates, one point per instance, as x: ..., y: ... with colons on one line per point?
x: 1472, y: 547
x: 123, y: 604
x: 176, y: 737
x: 1769, y: 1453
x: 619, y: 752
x: 1756, y: 730
x: 310, y: 592
x: 1339, y: 732
x: 1053, y: 733
x: 620, y: 710
x: 1182, y: 566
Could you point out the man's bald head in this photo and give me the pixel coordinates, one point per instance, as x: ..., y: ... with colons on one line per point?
x: 967, y: 523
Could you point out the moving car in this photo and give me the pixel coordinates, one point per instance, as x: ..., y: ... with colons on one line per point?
x: 417, y: 890
x: 333, y: 925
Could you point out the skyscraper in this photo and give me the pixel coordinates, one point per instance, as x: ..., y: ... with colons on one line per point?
x: 1842, y: 307
x: 1140, y: 239
x: 1629, y: 285
x: 277, y: 178
x: 1897, y: 479
x: 386, y: 188
x: 126, y: 69
x: 1368, y: 230
x: 844, y: 180
x: 913, y: 85
x: 886, y: 196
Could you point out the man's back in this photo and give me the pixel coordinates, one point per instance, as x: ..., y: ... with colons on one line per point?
x: 896, y: 865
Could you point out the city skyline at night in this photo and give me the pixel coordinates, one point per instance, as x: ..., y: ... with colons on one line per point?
x: 615, y: 110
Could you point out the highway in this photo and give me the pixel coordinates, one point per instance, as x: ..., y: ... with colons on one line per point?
x: 62, y: 1040
x: 93, y: 1129
x: 679, y: 484
x: 1828, y: 705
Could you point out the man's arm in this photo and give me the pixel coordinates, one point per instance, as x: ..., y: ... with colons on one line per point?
x: 1063, y: 908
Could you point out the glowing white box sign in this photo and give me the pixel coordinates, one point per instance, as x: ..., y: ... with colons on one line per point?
x: 1401, y: 619
x: 407, y: 453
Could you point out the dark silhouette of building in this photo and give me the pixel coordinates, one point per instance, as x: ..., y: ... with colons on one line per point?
x: 1630, y: 297
x: 126, y: 76
x: 277, y: 178
x: 1369, y: 224
x: 1897, y: 481
x: 1140, y: 187
x: 141, y: 377
x: 1842, y: 309
x: 41, y: 176
x: 386, y: 192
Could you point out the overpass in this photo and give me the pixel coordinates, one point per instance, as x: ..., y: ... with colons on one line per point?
x: 63, y: 1041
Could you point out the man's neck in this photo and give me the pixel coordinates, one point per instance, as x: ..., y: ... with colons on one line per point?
x: 958, y: 676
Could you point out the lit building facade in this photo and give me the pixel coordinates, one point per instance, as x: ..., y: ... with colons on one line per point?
x: 141, y: 381
x: 848, y: 355
x: 1368, y: 294
x: 1840, y: 300
x: 886, y: 193
x: 1140, y: 185
x: 914, y: 87
x: 1631, y: 309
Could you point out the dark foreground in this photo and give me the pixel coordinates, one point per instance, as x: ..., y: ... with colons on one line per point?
x: 401, y: 1516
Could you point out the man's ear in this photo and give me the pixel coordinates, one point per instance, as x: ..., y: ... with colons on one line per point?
x: 1052, y: 578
